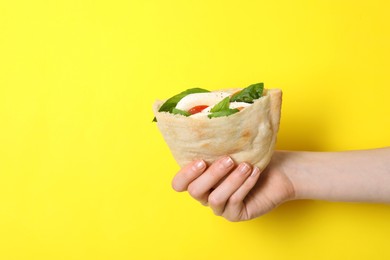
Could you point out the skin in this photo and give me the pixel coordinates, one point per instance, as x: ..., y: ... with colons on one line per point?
x: 240, y: 192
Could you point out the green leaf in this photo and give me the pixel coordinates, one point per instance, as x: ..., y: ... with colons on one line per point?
x: 221, y: 113
x: 249, y: 93
x: 171, y: 103
x: 222, y: 105
x: 180, y: 112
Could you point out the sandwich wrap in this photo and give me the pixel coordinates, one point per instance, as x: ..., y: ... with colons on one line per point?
x: 247, y: 136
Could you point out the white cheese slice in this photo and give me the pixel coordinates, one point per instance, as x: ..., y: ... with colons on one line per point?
x: 198, y: 99
x: 238, y: 104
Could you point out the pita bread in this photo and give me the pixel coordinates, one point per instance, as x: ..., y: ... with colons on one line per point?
x: 247, y: 136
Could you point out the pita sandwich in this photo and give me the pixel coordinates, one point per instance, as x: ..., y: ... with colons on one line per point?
x: 247, y: 136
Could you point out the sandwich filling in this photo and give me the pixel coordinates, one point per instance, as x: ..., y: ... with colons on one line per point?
x: 201, y: 103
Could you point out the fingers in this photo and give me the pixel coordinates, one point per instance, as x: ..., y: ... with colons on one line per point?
x: 219, y: 197
x: 188, y: 174
x: 200, y: 188
x: 219, y: 186
x: 235, y: 204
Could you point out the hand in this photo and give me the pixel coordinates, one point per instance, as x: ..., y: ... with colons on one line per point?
x: 237, y: 193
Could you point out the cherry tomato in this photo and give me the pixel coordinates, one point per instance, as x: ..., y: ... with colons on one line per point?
x: 197, y: 109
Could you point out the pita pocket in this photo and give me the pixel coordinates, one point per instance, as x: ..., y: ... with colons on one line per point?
x: 247, y: 136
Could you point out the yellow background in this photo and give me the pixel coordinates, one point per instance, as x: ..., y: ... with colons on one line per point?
x: 84, y: 174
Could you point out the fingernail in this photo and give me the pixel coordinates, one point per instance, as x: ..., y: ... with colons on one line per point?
x: 227, y: 162
x: 255, y: 172
x: 199, y: 165
x: 244, y: 168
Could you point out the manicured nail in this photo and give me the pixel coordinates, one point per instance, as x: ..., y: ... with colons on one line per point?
x: 227, y: 162
x: 199, y: 165
x: 255, y: 172
x: 244, y: 168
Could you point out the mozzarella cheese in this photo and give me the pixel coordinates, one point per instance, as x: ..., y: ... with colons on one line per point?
x: 209, y: 99
x: 198, y: 99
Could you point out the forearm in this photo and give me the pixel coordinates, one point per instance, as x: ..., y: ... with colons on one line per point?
x: 360, y: 176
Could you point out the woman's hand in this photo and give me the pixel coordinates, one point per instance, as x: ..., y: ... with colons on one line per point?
x: 236, y: 192
x: 243, y: 192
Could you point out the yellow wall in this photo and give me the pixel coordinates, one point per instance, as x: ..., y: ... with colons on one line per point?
x: 84, y: 174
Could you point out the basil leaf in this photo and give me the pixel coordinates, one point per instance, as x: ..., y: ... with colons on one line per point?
x: 172, y: 102
x: 222, y: 105
x: 226, y: 112
x: 180, y: 112
x: 249, y: 93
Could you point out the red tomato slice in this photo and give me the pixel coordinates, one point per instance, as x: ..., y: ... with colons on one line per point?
x: 197, y: 109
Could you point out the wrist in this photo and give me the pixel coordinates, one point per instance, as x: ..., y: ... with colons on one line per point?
x: 283, y: 162
x: 295, y: 166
